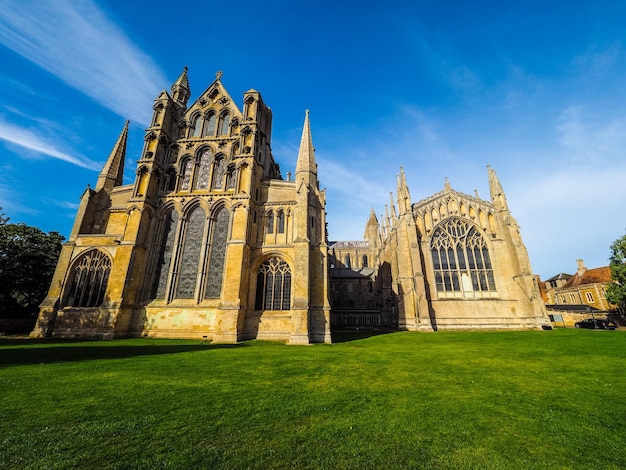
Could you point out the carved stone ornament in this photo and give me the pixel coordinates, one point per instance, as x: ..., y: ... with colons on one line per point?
x: 222, y: 144
x: 203, y: 102
x: 189, y: 145
x: 150, y: 135
x: 246, y: 130
x: 223, y: 101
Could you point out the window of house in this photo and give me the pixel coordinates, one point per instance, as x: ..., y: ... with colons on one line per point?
x: 589, y: 296
x: 273, y: 289
x: 572, y: 298
x: 461, y: 258
x: 90, y: 278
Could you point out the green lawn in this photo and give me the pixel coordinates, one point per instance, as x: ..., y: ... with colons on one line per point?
x: 470, y: 400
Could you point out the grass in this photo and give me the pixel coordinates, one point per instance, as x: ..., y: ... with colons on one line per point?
x: 510, y: 400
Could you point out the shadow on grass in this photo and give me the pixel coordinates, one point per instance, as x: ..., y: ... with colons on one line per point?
x: 64, y: 351
x: 346, y: 336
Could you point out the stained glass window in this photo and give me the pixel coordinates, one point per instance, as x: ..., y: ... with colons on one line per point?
x: 188, y: 273
x: 461, y: 258
x: 204, y: 171
x: 186, y: 172
x: 90, y: 279
x: 218, y: 254
x: 273, y: 290
x: 166, y: 247
x: 218, y: 173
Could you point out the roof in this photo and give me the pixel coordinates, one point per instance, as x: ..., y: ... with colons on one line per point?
x: 559, y: 276
x: 349, y: 244
x: 572, y: 307
x: 590, y: 276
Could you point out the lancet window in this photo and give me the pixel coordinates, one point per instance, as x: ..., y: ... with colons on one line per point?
x: 273, y: 289
x: 187, y: 168
x: 219, y: 169
x: 461, y: 258
x: 196, y: 126
x: 204, y: 170
x: 90, y: 278
x: 280, y: 223
x: 224, y: 124
x: 270, y: 222
x: 210, y: 123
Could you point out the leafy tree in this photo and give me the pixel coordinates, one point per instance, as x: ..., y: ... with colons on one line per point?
x: 3, y: 219
x: 616, y: 293
x: 28, y: 257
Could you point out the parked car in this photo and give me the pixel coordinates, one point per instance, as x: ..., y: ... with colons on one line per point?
x: 596, y: 324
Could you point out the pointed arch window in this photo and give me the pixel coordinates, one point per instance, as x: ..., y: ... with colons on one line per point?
x: 219, y: 170
x: 210, y: 124
x: 224, y: 124
x: 192, y: 245
x: 347, y: 262
x: 218, y: 254
x: 204, y: 170
x: 280, y: 222
x: 196, y: 126
x: 90, y: 277
x: 273, y: 289
x: 186, y: 171
x: 461, y: 258
x: 365, y: 262
x: 170, y: 177
x: 164, y: 258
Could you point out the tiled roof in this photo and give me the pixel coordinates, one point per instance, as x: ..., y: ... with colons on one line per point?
x: 590, y: 276
x: 559, y: 277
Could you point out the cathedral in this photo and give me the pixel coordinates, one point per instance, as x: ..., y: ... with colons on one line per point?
x: 210, y: 241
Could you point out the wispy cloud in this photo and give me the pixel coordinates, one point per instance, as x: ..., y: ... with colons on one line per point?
x: 33, y: 141
x: 77, y: 43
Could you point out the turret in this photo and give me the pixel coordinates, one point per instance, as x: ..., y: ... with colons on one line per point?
x: 404, y: 198
x: 180, y: 89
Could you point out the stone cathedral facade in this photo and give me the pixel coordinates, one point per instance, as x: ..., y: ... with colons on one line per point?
x: 211, y: 242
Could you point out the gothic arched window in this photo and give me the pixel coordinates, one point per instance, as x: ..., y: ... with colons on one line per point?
x: 209, y: 125
x: 186, y: 169
x: 204, y: 170
x: 273, y: 287
x: 224, y: 124
x: 270, y: 222
x: 89, y: 281
x: 196, y: 126
x: 346, y: 261
x: 219, y: 169
x: 364, y: 261
x: 188, y: 273
x: 218, y: 254
x: 164, y: 258
x: 280, y: 223
x: 461, y: 257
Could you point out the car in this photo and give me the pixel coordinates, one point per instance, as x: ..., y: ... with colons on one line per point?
x: 596, y: 324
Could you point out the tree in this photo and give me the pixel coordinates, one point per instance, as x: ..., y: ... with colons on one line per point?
x: 616, y: 293
x: 3, y: 219
x: 28, y: 257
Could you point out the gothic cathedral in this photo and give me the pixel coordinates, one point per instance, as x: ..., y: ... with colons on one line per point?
x: 211, y: 242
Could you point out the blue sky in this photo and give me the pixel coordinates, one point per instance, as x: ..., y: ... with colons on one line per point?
x: 442, y: 88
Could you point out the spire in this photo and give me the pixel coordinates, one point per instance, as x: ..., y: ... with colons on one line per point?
x: 394, y: 216
x: 306, y: 168
x: 372, y: 221
x: 404, y: 198
x: 180, y: 88
x: 112, y: 174
x: 496, y: 192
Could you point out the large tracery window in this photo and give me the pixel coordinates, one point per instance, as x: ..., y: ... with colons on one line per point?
x: 273, y: 287
x: 218, y: 254
x: 165, y: 254
x: 89, y: 283
x: 190, y: 258
x: 461, y: 258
